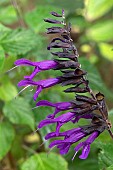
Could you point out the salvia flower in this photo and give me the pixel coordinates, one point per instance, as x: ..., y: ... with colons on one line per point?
x: 39, y: 66
x: 82, y: 106
x: 60, y: 106
x: 41, y: 84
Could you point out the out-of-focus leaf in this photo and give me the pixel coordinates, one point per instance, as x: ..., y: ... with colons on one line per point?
x: 96, y: 9
x: 106, y: 50
x: 2, y: 57
x: 101, y: 31
x: 77, y: 22
x: 41, y: 162
x: 110, y: 167
x: 18, y: 111
x: 95, y: 79
x: 35, y: 19
x: 3, y: 2
x: 7, y: 91
x: 7, y: 14
x: 8, y: 63
x: 68, y: 4
x: 6, y: 138
x: 19, y: 41
x: 106, y: 155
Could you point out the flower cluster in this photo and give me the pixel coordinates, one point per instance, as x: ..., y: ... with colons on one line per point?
x: 66, y: 60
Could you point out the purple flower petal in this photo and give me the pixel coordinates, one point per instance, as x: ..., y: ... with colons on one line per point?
x: 33, y: 74
x: 77, y: 148
x: 85, y: 152
x: 41, y: 84
x: 56, y: 142
x: 86, y: 145
x: 64, y: 118
x: 65, y: 134
x: 92, y: 137
x: 45, y: 103
x: 24, y: 61
x: 38, y: 91
x: 39, y: 66
x: 60, y: 106
x: 64, y: 148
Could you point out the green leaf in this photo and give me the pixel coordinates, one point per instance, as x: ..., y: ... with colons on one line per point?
x: 35, y: 19
x: 96, y: 9
x: 101, y: 31
x: 6, y: 138
x: 2, y: 58
x: 95, y: 79
x: 106, y: 51
x: 68, y: 4
x: 42, y: 162
x: 8, y: 63
x: 110, y: 167
x: 18, y: 111
x: 19, y: 41
x: 106, y: 155
x: 7, y: 91
x: 7, y: 14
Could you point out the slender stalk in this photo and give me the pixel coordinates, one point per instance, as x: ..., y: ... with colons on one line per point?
x: 16, y: 5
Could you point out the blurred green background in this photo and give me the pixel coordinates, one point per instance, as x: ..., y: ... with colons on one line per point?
x: 22, y: 34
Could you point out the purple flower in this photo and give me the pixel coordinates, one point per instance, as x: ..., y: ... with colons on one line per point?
x: 86, y: 145
x: 97, y: 126
x: 62, y: 119
x: 60, y: 106
x: 41, y: 84
x: 39, y: 66
x: 70, y: 137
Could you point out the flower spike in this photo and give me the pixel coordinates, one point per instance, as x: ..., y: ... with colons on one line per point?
x: 81, y: 107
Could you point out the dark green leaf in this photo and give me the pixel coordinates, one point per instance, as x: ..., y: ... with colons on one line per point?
x: 105, y: 155
x: 18, y: 111
x: 6, y: 138
x: 42, y: 162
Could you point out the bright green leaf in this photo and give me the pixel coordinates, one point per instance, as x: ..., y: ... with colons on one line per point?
x: 110, y: 167
x: 2, y: 57
x: 96, y: 9
x: 42, y: 162
x: 106, y: 50
x: 101, y: 31
x: 7, y: 91
x: 6, y: 138
x: 7, y: 14
x: 18, y: 111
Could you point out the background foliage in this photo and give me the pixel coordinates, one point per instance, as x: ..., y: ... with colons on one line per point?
x: 22, y: 34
